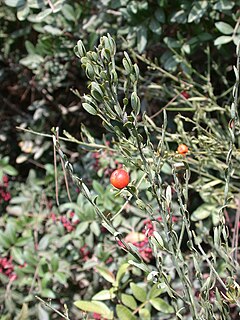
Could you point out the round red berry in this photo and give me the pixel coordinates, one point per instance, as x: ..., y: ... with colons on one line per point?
x: 182, y: 149
x: 120, y: 178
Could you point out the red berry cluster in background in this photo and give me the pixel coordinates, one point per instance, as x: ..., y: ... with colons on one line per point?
x: 7, y: 268
x: 5, y: 195
x: 104, y: 155
x: 144, y: 250
x: 97, y: 316
x: 149, y: 228
x: 142, y: 244
x: 85, y: 252
x: 68, y: 223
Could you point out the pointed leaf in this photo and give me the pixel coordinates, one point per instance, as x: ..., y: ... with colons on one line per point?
x: 224, y: 27
x: 104, y: 295
x: 155, y: 291
x: 89, y: 108
x: 95, y: 306
x: 129, y: 301
x: 161, y: 305
x: 138, y: 292
x: 144, y: 314
x: 121, y: 272
x: 222, y: 40
x: 23, y: 315
x: 204, y: 211
x: 124, y: 313
x: 106, y: 274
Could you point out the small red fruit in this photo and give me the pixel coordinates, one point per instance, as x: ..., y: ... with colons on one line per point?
x: 120, y: 178
x: 182, y: 149
x: 185, y: 94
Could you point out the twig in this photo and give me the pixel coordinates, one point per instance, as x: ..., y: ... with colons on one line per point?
x: 168, y: 104
x: 52, y: 308
x: 55, y: 169
x: 212, y: 267
x: 51, y: 5
x: 236, y: 231
x: 83, y: 144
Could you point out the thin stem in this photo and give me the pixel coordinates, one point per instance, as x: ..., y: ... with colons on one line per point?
x: 52, y: 308
x: 168, y: 104
x: 51, y: 5
x: 212, y: 267
x: 83, y: 144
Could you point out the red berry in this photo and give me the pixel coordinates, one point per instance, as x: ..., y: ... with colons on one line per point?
x: 185, y: 94
x: 182, y: 149
x: 120, y: 178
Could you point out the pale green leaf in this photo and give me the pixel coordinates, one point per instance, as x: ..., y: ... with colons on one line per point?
x: 15, y: 3
x: 138, y: 292
x: 121, y: 272
x: 222, y: 40
x: 105, y: 273
x: 203, y: 211
x: 124, y: 313
x: 129, y: 301
x: 89, y: 108
x: 95, y: 306
x: 144, y: 314
x: 161, y: 305
x: 104, y: 295
x: 23, y: 315
x: 224, y: 27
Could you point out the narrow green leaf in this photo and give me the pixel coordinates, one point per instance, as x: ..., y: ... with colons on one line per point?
x: 81, y: 228
x: 14, y: 3
x: 23, y: 315
x: 197, y: 11
x: 141, y: 39
x: 48, y: 293
x: 10, y: 170
x: 43, y: 14
x: 121, y: 272
x: 89, y: 108
x: 106, y: 274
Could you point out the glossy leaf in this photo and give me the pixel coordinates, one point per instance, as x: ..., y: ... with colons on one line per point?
x: 222, y: 40
x: 89, y: 108
x: 224, y: 27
